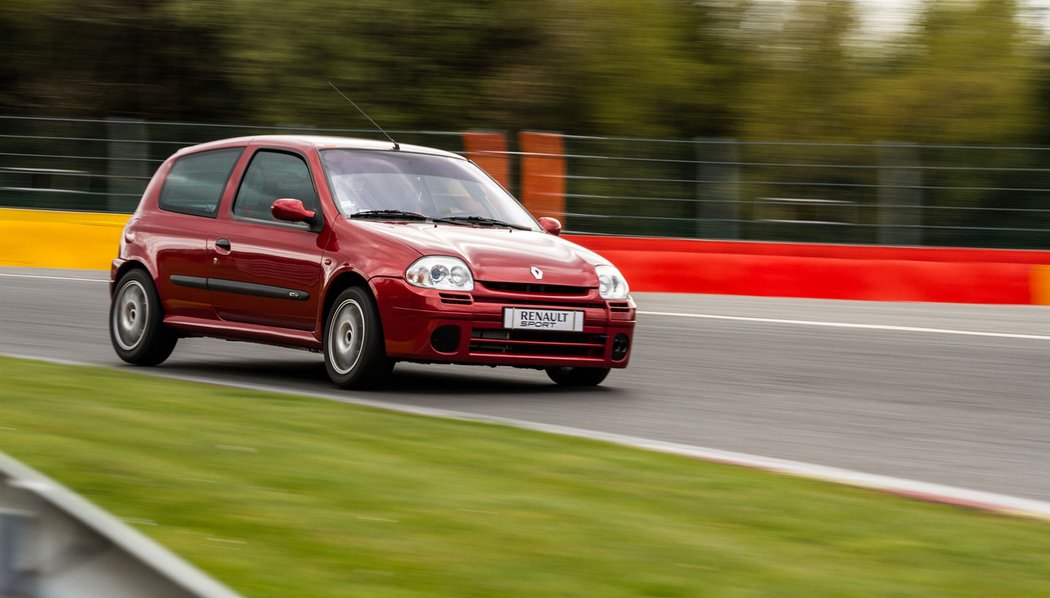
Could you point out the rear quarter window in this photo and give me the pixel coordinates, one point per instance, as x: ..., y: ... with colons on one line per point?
x: 195, y: 183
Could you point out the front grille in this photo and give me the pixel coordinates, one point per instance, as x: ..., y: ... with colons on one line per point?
x: 535, y: 342
x: 620, y: 307
x: 538, y: 289
x: 575, y: 304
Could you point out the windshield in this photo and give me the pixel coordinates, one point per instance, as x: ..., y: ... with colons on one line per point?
x: 437, y: 187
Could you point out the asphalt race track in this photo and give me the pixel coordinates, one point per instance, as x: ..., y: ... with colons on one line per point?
x: 949, y: 394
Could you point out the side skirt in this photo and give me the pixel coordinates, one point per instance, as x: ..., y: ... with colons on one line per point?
x: 238, y: 331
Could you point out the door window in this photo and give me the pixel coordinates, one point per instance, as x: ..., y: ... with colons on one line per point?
x: 273, y: 175
x: 195, y: 182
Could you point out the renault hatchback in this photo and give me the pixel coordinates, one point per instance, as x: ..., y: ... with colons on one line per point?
x: 368, y: 252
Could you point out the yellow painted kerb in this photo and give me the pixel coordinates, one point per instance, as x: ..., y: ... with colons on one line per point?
x: 50, y: 239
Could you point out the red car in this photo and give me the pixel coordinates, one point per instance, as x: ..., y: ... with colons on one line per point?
x: 366, y: 251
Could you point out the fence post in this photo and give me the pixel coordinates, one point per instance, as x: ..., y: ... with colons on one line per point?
x: 717, y: 188
x: 900, y: 194
x: 128, y: 153
x: 16, y: 548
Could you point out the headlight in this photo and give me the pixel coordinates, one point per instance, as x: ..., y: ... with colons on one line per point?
x: 611, y: 284
x: 440, y: 272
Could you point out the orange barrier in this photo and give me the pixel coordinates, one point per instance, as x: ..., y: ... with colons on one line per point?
x: 543, y: 174
x: 489, y: 151
x: 829, y: 271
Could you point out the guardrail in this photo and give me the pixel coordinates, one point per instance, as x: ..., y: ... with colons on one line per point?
x: 884, y: 193
x: 55, y: 544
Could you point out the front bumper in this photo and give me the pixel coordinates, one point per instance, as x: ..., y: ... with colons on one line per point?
x: 438, y: 326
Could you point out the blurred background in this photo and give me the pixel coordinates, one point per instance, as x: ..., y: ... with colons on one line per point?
x: 853, y: 121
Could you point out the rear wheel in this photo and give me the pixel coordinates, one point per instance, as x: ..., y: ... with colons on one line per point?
x: 136, y: 321
x: 568, y: 376
x: 354, y: 352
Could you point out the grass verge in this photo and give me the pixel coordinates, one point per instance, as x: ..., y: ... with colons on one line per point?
x: 279, y: 495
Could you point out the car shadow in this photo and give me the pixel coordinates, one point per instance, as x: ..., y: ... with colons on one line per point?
x: 439, y: 381
x: 485, y: 381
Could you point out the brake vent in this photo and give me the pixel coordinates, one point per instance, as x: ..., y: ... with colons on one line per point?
x: 536, y: 343
x: 619, y: 307
x: 456, y: 298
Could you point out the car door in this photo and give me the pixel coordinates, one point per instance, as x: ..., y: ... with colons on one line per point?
x: 189, y: 202
x: 265, y: 271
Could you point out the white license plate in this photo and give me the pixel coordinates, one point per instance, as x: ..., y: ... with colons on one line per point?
x: 542, y: 319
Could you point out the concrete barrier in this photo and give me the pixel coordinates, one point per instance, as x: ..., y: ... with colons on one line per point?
x: 873, y: 273
x: 51, y: 239
x: 46, y: 239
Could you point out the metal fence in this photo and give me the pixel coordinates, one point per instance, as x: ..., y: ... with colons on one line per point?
x: 885, y: 193
x: 105, y: 164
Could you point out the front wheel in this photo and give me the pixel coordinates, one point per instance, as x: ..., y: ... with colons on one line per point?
x: 568, y: 376
x: 136, y: 321
x: 354, y: 353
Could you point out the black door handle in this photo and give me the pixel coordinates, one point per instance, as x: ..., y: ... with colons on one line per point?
x: 223, y: 244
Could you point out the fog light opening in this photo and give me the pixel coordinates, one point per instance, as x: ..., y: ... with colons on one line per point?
x: 445, y: 339
x: 620, y: 346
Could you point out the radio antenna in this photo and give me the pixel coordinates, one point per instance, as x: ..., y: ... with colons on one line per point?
x: 397, y: 147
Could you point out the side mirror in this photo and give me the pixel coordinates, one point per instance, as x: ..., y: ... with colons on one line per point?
x: 551, y: 225
x: 293, y: 210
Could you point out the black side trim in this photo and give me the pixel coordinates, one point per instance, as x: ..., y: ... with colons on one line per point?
x: 257, y: 290
x: 240, y: 288
x: 194, y: 282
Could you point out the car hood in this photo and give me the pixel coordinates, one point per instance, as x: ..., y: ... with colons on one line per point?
x: 501, y: 254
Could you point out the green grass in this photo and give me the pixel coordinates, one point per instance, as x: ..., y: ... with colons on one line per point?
x: 285, y: 496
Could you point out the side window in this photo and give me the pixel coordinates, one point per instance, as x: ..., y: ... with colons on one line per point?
x: 195, y: 182
x: 273, y: 175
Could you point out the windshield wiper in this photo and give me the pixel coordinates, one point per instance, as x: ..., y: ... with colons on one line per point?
x: 389, y: 215
x: 480, y: 221
x: 460, y: 220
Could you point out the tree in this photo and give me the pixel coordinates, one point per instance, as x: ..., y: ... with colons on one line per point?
x: 965, y: 76
x: 805, y: 82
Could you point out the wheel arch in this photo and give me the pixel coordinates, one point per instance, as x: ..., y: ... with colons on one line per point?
x: 339, y: 283
x: 128, y: 266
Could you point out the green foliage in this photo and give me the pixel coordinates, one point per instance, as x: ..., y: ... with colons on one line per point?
x: 967, y: 71
x: 805, y: 81
x: 966, y: 75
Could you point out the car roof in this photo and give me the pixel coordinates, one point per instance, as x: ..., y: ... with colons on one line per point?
x: 306, y: 142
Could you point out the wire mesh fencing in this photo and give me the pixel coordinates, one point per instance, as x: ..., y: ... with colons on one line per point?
x: 891, y: 193
x: 885, y: 193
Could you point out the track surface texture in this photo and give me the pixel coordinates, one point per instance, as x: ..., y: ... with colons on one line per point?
x: 907, y: 398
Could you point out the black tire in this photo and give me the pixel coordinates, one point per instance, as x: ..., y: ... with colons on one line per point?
x: 577, y: 376
x: 354, y: 351
x: 136, y: 321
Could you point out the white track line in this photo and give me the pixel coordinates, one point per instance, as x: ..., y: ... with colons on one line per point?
x: 938, y: 493
x: 1038, y: 337
x: 69, y: 278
